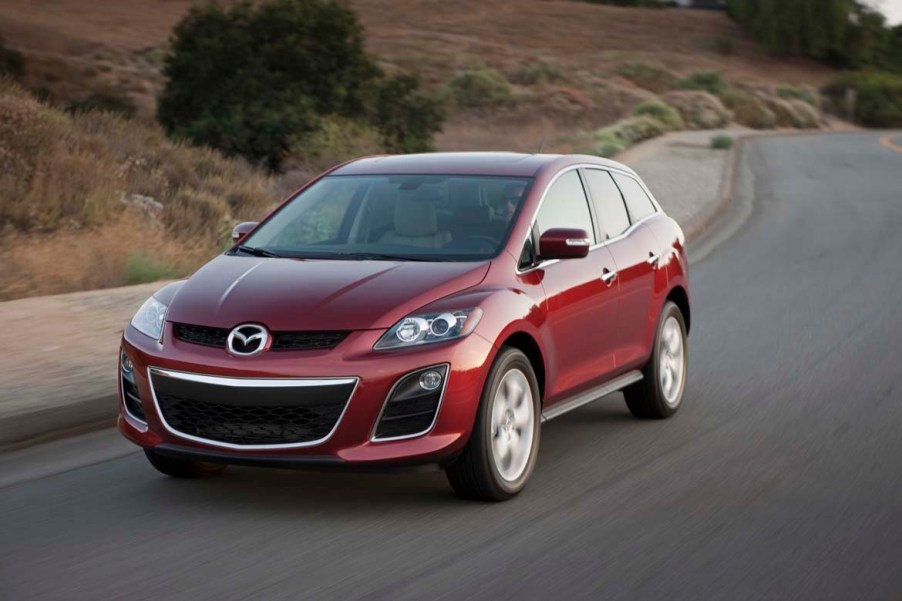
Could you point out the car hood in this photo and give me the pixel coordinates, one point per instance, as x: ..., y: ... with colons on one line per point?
x: 307, y: 294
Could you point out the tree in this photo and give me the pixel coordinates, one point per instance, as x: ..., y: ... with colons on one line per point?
x: 256, y: 79
x: 11, y: 62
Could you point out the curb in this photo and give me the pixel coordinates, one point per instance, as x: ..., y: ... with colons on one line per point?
x: 30, y: 428
x: 701, y: 223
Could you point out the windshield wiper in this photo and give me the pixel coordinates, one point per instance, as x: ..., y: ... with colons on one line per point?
x: 258, y: 252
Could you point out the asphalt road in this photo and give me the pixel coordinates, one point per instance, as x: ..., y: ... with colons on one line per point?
x: 781, y: 477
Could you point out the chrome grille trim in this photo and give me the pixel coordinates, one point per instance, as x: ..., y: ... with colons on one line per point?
x: 249, y: 383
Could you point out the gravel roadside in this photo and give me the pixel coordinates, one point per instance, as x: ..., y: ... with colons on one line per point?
x: 59, y: 373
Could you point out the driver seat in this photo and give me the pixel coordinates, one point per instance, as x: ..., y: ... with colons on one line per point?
x: 416, y: 224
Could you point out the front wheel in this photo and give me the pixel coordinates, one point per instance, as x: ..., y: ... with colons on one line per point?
x: 659, y: 394
x: 501, y: 453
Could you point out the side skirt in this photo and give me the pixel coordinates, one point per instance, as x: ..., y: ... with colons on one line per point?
x: 589, y: 396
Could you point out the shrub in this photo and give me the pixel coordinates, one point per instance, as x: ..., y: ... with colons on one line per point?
x: 406, y: 118
x: 538, y: 72
x: 11, y: 62
x: 700, y: 110
x: 110, y: 101
x: 654, y: 78
x: 478, y: 87
x: 255, y: 79
x: 721, y: 142
x: 748, y: 109
x: 666, y: 115
x: 706, y: 81
x: 805, y: 94
x: 141, y: 268
x: 617, y: 137
x: 879, y: 101
x: 793, y: 113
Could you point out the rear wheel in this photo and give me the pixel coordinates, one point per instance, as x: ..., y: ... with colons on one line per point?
x: 659, y: 394
x: 183, y: 468
x: 501, y: 453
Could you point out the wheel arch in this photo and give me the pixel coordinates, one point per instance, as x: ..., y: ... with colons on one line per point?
x: 680, y: 298
x: 525, y: 343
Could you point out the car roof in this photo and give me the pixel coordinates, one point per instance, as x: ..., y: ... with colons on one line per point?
x: 510, y: 164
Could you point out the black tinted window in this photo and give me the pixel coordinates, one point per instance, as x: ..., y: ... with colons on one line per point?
x: 566, y: 206
x: 609, y: 205
x: 637, y: 201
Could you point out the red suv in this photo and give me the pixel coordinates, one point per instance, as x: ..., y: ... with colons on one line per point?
x: 426, y: 309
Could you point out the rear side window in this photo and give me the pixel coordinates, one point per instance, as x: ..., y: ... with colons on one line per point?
x: 637, y: 201
x: 566, y: 205
x: 609, y: 205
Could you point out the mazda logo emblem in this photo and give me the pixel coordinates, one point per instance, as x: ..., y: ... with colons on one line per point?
x: 247, y: 340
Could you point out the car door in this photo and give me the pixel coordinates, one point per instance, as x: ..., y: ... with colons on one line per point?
x: 636, y: 254
x: 581, y: 307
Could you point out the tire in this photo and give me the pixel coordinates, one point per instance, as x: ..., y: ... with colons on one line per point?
x: 501, y: 454
x: 651, y: 397
x: 183, y: 468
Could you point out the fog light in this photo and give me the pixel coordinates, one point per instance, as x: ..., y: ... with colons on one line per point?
x: 430, y: 380
x: 126, y: 362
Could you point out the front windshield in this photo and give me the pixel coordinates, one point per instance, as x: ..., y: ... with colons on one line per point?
x: 412, y: 217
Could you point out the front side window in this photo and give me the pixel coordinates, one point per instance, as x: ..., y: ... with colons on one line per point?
x: 414, y: 217
x: 566, y: 206
x: 637, y: 201
x: 608, y: 202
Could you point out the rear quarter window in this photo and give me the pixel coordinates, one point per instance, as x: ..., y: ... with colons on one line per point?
x: 637, y: 201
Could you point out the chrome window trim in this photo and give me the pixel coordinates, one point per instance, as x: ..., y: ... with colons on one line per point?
x: 391, y: 391
x: 250, y: 383
x: 625, y: 233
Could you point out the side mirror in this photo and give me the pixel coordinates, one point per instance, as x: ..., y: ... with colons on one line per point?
x: 241, y: 230
x: 564, y: 243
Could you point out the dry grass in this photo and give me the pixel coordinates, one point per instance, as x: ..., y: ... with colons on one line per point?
x: 81, y: 193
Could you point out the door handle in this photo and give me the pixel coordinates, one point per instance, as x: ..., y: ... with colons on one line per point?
x: 607, y: 276
x: 653, y: 258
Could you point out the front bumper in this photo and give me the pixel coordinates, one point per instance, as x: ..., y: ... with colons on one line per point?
x: 351, y: 441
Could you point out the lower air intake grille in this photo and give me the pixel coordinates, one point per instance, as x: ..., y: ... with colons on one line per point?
x: 212, y: 409
x: 410, y: 410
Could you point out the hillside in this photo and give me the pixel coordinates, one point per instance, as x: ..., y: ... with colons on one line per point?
x: 75, y: 46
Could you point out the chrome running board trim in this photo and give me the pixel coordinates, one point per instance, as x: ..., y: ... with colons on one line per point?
x: 589, y: 396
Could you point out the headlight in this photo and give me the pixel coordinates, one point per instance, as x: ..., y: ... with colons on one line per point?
x: 429, y: 327
x: 149, y: 318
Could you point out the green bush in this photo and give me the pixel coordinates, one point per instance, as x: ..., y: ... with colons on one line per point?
x: 479, y: 87
x: 748, y: 110
x: 109, y: 101
x: 706, y: 81
x: 805, y: 94
x: 538, y: 72
x: 721, y: 142
x: 406, y: 118
x: 11, y: 62
x: 667, y: 115
x: 255, y: 79
x: 654, y: 78
x: 140, y: 269
x: 619, y: 136
x: 879, y: 102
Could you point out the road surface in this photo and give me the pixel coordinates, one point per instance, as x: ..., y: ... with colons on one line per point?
x: 781, y: 477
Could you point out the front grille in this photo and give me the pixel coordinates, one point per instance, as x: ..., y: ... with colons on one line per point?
x: 281, y: 341
x: 247, y: 414
x: 410, y: 410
